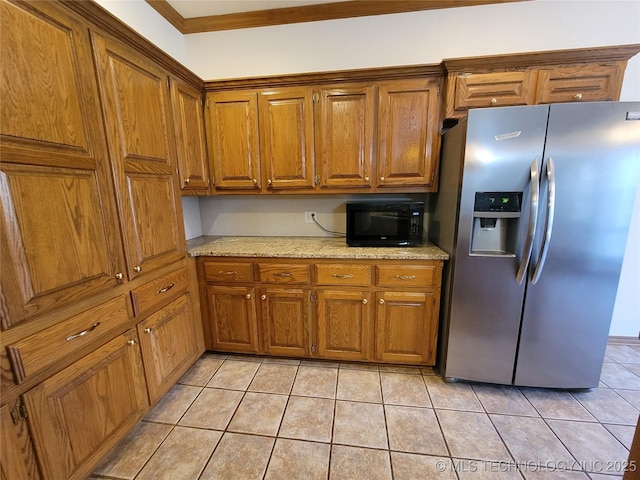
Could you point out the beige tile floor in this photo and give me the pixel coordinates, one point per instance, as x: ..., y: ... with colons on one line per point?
x: 239, y: 417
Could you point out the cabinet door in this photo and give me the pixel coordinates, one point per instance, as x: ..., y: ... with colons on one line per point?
x: 17, y: 461
x: 286, y: 137
x: 169, y: 345
x: 406, y: 327
x: 344, y: 324
x: 77, y: 415
x: 59, y: 231
x: 233, y: 140
x: 191, y: 150
x: 285, y: 321
x: 585, y: 83
x: 135, y: 98
x: 344, y: 136
x: 232, y: 318
x: 497, y: 89
x: 408, y: 136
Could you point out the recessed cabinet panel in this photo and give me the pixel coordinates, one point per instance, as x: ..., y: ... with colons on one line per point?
x: 580, y: 84
x: 53, y: 251
x: 191, y: 150
x: 233, y: 140
x: 285, y: 319
x: 233, y: 313
x: 492, y: 89
x: 407, y: 133
x: 286, y: 128
x: 345, y: 136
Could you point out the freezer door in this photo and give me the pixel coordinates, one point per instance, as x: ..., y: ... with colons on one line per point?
x: 484, y: 310
x: 567, y: 314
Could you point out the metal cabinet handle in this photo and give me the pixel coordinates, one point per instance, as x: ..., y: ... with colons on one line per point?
x: 255, y: 182
x: 382, y: 179
x: 494, y: 101
x: 381, y: 301
x: 365, y: 301
x: 269, y: 182
x: 263, y: 297
x: 366, y: 179
x: 119, y: 276
x: 147, y: 330
x: 404, y: 277
x: 137, y: 269
x: 131, y: 342
x: 165, y: 289
x: 248, y: 296
x: 187, y: 181
x: 84, y: 332
x: 282, y: 274
x: 577, y: 96
x: 338, y: 275
x: 227, y: 274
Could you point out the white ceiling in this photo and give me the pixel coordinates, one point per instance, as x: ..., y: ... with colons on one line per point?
x: 204, y: 8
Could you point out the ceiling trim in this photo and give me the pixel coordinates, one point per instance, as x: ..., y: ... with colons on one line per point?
x: 309, y: 13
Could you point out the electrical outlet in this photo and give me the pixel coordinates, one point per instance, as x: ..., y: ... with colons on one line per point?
x: 308, y: 216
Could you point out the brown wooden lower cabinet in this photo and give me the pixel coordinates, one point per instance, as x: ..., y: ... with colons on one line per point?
x: 18, y: 459
x: 353, y: 310
x: 169, y: 346
x: 80, y: 413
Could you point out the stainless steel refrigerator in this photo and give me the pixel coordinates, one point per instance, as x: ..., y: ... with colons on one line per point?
x: 533, y: 208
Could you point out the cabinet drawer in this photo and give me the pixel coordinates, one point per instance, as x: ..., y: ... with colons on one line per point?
x: 150, y: 295
x: 570, y: 84
x: 492, y: 89
x: 284, y: 273
x: 44, y: 349
x: 343, y: 274
x: 228, y: 272
x: 406, y: 276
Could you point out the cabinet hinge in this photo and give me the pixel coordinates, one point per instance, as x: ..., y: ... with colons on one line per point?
x: 17, y: 411
x: 314, y: 297
x: 168, y: 83
x: 208, y: 102
x: 315, y: 97
x: 213, y: 180
x: 314, y: 349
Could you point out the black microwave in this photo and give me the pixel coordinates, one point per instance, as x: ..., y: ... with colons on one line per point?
x: 384, y: 224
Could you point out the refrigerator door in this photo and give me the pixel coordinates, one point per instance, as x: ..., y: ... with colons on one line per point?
x: 567, y: 313
x: 485, y: 305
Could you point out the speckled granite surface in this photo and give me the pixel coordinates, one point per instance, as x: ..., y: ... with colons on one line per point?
x: 304, y: 247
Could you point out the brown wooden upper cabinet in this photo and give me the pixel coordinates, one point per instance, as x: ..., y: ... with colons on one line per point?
x: 59, y: 229
x: 233, y: 139
x: 533, y: 78
x: 135, y: 97
x: 348, y: 137
x: 191, y: 149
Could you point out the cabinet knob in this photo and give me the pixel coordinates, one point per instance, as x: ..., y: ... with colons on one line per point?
x: 248, y: 296
x: 131, y: 342
x: 137, y: 269
x: 365, y: 301
x: 366, y: 179
x: 119, y: 276
x: 187, y: 181
x: 382, y: 179
x: 269, y: 181
x: 494, y: 101
x: 577, y: 96
x: 381, y: 301
x: 263, y: 297
x: 255, y: 181
x: 147, y: 330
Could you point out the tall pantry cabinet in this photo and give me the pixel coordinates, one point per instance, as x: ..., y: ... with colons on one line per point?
x: 96, y: 311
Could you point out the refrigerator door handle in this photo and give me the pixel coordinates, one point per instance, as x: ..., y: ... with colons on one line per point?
x: 533, y: 218
x: 548, y: 225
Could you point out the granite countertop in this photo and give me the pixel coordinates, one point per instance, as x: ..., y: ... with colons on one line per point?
x: 305, y: 247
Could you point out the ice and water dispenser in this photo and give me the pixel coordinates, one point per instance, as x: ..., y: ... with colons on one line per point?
x: 495, y: 223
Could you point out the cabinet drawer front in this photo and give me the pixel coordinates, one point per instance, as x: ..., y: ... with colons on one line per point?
x: 492, y: 89
x: 43, y: 349
x: 228, y: 272
x: 158, y: 291
x: 406, y: 276
x: 343, y: 274
x: 571, y: 84
x: 284, y: 273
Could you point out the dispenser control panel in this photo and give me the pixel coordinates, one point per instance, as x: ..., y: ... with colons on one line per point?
x: 497, y: 201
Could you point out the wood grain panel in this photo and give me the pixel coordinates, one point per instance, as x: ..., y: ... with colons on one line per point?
x: 345, y: 135
x: 344, y: 325
x: 289, y: 273
x: 408, y: 133
x: 285, y: 321
x: 228, y: 271
x: 586, y: 84
x: 233, y: 140
x: 493, y: 89
x: 149, y: 296
x: 287, y: 139
x: 17, y: 461
x: 233, y: 313
x: 343, y: 274
x: 408, y: 275
x: 169, y: 346
x: 80, y: 413
x: 191, y: 149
